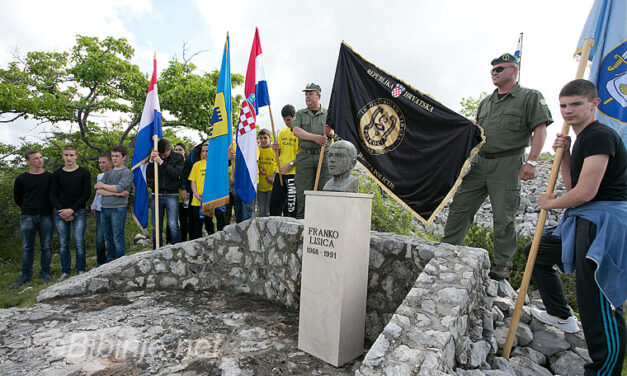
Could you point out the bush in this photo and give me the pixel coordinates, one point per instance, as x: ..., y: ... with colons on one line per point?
x: 9, y: 215
x: 387, y: 214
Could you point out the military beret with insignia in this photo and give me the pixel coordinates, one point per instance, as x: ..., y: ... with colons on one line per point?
x: 313, y: 87
x: 505, y: 58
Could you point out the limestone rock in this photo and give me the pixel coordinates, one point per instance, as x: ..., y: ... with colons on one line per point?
x: 549, y: 341
x: 567, y: 363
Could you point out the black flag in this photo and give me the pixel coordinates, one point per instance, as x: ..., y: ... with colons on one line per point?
x: 416, y: 148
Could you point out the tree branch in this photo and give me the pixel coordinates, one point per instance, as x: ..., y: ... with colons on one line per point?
x: 128, y: 129
x: 15, y: 118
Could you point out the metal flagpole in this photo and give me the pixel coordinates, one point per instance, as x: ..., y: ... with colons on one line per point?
x: 531, y: 260
x: 520, y: 58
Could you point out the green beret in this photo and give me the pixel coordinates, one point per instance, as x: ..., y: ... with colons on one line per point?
x: 313, y: 87
x: 505, y: 58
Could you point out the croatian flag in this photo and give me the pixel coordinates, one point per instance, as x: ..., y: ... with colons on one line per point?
x: 518, y: 47
x: 149, y: 125
x: 256, y: 95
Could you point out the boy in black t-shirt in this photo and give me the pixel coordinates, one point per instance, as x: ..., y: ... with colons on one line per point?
x: 30, y: 193
x: 592, y: 233
x: 71, y: 188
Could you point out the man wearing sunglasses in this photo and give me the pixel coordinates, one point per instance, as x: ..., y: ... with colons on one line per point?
x: 512, y: 118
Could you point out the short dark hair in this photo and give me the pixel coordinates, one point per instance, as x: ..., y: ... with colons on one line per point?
x: 163, y: 145
x: 120, y: 149
x: 263, y: 131
x: 105, y: 155
x: 581, y: 87
x: 29, y: 152
x: 288, y: 110
x: 69, y: 147
x: 181, y: 145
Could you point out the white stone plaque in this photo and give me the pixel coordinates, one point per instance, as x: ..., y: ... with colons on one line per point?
x: 334, y: 278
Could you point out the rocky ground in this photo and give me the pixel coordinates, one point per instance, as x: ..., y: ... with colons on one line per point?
x: 158, y: 333
x: 527, y: 215
x: 539, y: 349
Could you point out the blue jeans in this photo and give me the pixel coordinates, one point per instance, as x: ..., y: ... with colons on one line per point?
x: 29, y: 225
x: 101, y: 250
x: 63, y: 230
x: 113, y: 223
x: 242, y: 211
x: 169, y: 203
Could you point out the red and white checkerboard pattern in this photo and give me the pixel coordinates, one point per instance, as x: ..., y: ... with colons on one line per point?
x: 398, y: 90
x: 246, y: 118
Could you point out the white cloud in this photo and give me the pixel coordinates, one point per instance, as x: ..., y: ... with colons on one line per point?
x: 442, y: 48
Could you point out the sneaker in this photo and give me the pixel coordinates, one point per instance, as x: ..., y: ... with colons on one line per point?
x: 499, y: 272
x: 63, y: 276
x: 46, y: 278
x: 20, y: 281
x: 568, y: 325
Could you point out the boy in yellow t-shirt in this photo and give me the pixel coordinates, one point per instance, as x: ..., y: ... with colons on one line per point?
x: 266, y: 167
x: 283, y: 198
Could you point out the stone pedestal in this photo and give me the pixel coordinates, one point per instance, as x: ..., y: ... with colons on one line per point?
x: 334, y: 279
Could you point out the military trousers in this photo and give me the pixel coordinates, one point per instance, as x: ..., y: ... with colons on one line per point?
x: 499, y: 179
x: 306, y: 167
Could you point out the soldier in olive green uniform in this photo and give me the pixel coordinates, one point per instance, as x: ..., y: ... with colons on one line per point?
x: 513, y: 118
x: 311, y: 129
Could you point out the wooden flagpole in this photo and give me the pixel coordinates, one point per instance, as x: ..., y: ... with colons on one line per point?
x: 320, y: 163
x: 276, y: 152
x: 315, y: 188
x: 155, y: 210
x: 531, y: 260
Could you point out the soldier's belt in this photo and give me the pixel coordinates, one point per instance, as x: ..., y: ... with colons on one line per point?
x: 501, y: 154
x: 310, y: 151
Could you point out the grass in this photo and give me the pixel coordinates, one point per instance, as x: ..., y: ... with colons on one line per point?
x: 26, y: 295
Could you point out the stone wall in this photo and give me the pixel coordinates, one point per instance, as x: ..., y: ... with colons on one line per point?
x: 429, y: 297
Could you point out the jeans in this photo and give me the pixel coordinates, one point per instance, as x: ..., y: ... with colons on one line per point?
x: 29, y: 225
x: 113, y: 223
x: 169, y: 203
x: 263, y: 203
x: 63, y: 230
x: 242, y: 211
x: 101, y: 251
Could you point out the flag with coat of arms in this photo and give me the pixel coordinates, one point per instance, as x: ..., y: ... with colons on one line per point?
x: 216, y: 190
x: 256, y: 96
x: 607, y: 27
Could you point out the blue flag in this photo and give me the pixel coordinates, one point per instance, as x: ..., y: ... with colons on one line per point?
x: 216, y: 187
x: 149, y: 125
x: 606, y: 26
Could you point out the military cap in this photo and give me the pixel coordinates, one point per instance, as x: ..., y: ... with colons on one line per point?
x: 313, y: 87
x: 505, y: 58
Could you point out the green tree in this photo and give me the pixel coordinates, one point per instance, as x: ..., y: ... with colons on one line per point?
x: 97, y: 77
x: 94, y: 77
x: 469, y: 105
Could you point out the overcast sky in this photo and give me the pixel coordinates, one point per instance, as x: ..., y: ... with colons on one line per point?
x: 443, y: 48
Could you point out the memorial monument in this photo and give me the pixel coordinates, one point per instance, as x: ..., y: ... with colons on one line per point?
x: 334, y: 278
x: 341, y: 160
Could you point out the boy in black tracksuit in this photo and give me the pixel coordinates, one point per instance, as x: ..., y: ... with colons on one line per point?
x: 592, y: 232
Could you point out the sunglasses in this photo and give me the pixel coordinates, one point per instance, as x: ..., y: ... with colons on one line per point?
x: 498, y: 69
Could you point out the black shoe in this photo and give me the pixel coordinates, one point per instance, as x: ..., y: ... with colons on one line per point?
x: 20, y: 281
x: 499, y: 272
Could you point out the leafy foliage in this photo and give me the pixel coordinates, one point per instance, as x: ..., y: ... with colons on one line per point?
x: 97, y: 77
x: 469, y: 105
x: 387, y: 214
